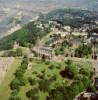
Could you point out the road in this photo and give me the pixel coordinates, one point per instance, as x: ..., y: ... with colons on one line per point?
x: 95, y: 65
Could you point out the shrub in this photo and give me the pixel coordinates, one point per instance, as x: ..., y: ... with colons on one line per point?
x: 15, y: 84
x: 31, y: 81
x: 44, y: 85
x: 32, y: 94
x: 14, y: 98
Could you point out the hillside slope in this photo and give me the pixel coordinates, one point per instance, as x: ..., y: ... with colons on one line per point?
x: 30, y: 32
x: 25, y: 36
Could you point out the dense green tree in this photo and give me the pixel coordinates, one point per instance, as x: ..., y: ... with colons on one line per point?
x: 14, y: 98
x: 85, y: 81
x: 68, y: 62
x: 91, y: 88
x: 19, y: 73
x: 15, y: 84
x: 32, y: 94
x: 19, y: 80
x: 19, y: 52
x: 75, y: 89
x: 71, y: 71
x: 31, y: 81
x: 44, y: 85
x: 14, y: 93
x: 23, y: 81
x: 83, y: 50
x: 81, y: 86
x: 64, y: 93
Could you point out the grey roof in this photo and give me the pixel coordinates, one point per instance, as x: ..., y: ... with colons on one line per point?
x: 43, y: 50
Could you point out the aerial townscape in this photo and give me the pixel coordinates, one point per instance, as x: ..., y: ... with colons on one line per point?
x: 53, y: 57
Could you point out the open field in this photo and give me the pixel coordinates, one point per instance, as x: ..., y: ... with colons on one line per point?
x: 4, y: 86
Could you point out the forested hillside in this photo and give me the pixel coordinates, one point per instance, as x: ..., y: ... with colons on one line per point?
x: 25, y: 36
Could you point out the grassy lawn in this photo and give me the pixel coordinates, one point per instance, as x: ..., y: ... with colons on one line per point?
x: 4, y: 86
x: 50, y: 70
x: 37, y: 67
